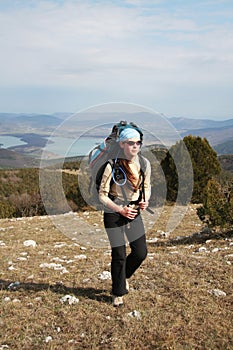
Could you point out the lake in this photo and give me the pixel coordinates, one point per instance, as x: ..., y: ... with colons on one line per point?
x: 71, y: 147
x: 10, y: 141
x: 60, y: 146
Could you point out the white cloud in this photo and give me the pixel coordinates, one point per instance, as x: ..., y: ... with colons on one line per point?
x: 95, y: 44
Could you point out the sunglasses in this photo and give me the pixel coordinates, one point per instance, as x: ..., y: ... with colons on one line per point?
x: 132, y: 143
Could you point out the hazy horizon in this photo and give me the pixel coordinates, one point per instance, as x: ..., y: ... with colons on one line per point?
x: 73, y: 113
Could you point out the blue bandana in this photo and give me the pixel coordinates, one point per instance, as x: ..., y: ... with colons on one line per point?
x: 129, y: 133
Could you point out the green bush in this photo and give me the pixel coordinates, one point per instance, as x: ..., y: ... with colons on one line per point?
x: 217, y: 208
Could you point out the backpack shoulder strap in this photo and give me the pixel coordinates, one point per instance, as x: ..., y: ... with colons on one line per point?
x: 143, y: 165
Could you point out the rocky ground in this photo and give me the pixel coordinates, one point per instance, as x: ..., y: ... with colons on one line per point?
x: 55, y: 285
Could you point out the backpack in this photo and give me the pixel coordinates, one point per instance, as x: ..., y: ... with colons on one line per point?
x: 108, y: 152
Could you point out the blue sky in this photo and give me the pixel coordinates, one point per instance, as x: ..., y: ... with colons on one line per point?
x: 175, y: 57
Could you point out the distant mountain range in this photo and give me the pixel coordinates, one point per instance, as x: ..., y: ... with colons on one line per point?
x: 34, y: 129
x: 193, y: 124
x: 218, y: 133
x: 37, y: 123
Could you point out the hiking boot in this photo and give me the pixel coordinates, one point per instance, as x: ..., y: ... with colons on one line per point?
x: 117, y: 301
x: 127, y: 285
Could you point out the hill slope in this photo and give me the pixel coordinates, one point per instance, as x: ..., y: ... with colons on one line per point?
x: 13, y: 160
x: 180, y: 298
x: 225, y: 147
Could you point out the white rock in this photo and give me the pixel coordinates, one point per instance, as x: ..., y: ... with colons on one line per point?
x: 4, y: 346
x: 201, y: 249
x: 69, y: 299
x: 160, y: 232
x: 152, y: 240
x: 51, y: 265
x: 80, y: 256
x: 16, y: 300
x: 58, y: 259
x: 151, y: 256
x: 60, y: 245
x: 21, y: 258
x: 136, y: 314
x: 48, y: 339
x: 215, y: 250
x: 2, y: 244
x: 229, y: 256
x: 163, y: 234
x: 38, y: 299
x: 85, y: 280
x: 7, y: 299
x: 29, y: 243
x: 54, y: 266
x: 105, y: 275
x: 217, y: 292
x: 69, y: 261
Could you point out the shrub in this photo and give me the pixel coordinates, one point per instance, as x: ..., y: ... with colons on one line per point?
x: 217, y: 208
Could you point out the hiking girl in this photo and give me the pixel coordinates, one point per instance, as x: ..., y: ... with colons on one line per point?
x: 123, y: 200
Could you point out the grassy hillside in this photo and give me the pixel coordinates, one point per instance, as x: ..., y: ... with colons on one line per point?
x: 173, y: 301
x: 20, y: 192
x: 13, y: 160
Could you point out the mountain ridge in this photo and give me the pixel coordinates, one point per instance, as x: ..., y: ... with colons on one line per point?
x: 219, y: 133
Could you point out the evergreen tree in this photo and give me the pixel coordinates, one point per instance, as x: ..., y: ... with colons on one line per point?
x: 217, y: 208
x: 176, y: 167
x: 205, y: 165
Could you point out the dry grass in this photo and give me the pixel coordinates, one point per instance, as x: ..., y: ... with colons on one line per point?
x: 170, y: 290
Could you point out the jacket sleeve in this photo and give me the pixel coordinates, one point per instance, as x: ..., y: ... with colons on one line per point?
x: 105, y: 185
x: 147, y: 181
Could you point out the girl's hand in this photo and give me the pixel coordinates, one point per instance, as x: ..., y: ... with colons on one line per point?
x: 128, y: 212
x: 143, y: 205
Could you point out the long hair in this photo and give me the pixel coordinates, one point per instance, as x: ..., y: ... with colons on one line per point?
x: 124, y: 163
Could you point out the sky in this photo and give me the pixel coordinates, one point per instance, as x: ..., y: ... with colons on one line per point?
x: 175, y: 57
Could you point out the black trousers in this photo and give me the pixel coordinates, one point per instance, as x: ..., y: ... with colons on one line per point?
x: 122, y: 266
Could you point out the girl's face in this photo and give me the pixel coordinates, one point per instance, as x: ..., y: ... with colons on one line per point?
x: 131, y: 147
